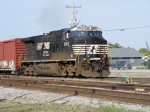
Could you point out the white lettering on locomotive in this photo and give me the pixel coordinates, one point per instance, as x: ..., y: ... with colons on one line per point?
x: 39, y: 46
x: 45, y: 53
x: 66, y: 43
x: 44, y: 45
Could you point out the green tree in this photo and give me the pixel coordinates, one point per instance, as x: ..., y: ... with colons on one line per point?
x: 116, y: 45
x: 148, y: 53
x: 144, y: 51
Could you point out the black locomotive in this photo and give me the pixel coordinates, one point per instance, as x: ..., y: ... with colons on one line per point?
x: 79, y: 51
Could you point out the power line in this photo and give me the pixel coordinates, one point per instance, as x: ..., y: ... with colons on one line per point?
x: 102, y: 2
x: 122, y: 29
x: 137, y: 14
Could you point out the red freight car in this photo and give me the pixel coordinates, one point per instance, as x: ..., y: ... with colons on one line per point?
x: 10, y: 54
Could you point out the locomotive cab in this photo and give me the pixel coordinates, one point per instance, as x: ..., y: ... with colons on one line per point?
x: 88, y: 34
x: 91, y: 48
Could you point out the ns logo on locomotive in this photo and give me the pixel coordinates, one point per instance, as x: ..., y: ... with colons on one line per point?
x: 77, y: 51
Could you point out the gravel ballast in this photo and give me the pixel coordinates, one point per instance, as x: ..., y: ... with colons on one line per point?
x: 29, y: 96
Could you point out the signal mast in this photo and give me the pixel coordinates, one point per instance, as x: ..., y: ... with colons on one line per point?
x: 74, y: 21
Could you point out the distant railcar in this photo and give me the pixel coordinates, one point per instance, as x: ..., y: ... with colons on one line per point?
x: 79, y: 51
x: 10, y: 53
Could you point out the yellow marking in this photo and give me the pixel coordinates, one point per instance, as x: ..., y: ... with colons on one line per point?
x: 19, y: 60
x: 78, y: 56
x: 110, y: 58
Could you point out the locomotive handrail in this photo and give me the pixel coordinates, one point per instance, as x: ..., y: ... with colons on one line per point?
x: 19, y: 59
x: 78, y: 55
x: 110, y: 55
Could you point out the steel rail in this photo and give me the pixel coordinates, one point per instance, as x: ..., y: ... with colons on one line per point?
x: 89, y: 84
x: 117, y: 79
x: 130, y: 97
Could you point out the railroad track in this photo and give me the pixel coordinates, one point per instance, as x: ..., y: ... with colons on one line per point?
x: 83, y: 83
x: 89, y: 89
x: 136, y: 80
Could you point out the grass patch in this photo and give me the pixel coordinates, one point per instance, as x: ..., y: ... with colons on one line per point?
x: 112, y: 108
x: 142, y: 68
x: 52, y: 107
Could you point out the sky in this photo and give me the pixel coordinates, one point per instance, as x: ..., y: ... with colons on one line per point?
x: 25, y: 18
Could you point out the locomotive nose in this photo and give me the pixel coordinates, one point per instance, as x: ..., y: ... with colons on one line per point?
x: 96, y: 40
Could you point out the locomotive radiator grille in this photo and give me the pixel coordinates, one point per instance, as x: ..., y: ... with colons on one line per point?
x: 90, y: 49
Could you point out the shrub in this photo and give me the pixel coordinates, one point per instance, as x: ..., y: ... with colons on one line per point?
x: 148, y: 64
x: 140, y: 67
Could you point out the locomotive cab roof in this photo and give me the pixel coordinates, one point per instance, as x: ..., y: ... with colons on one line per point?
x: 86, y: 28
x: 82, y: 28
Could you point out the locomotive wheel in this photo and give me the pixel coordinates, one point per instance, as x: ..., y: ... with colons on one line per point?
x: 80, y: 76
x: 17, y: 73
x: 71, y: 74
x: 63, y: 72
x: 8, y: 73
x: 66, y: 76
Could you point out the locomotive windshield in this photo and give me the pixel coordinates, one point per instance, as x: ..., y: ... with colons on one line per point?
x: 86, y: 33
x: 79, y: 33
x: 95, y: 33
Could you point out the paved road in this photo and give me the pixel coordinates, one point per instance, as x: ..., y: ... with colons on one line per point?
x: 132, y: 70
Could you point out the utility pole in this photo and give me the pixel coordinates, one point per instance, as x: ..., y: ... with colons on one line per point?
x: 147, y: 46
x: 74, y: 20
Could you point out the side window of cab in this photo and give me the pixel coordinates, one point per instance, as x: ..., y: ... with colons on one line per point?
x: 74, y: 34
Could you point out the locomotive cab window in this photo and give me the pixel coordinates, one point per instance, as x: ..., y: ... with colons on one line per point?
x: 95, y: 33
x: 78, y: 34
x: 66, y: 36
